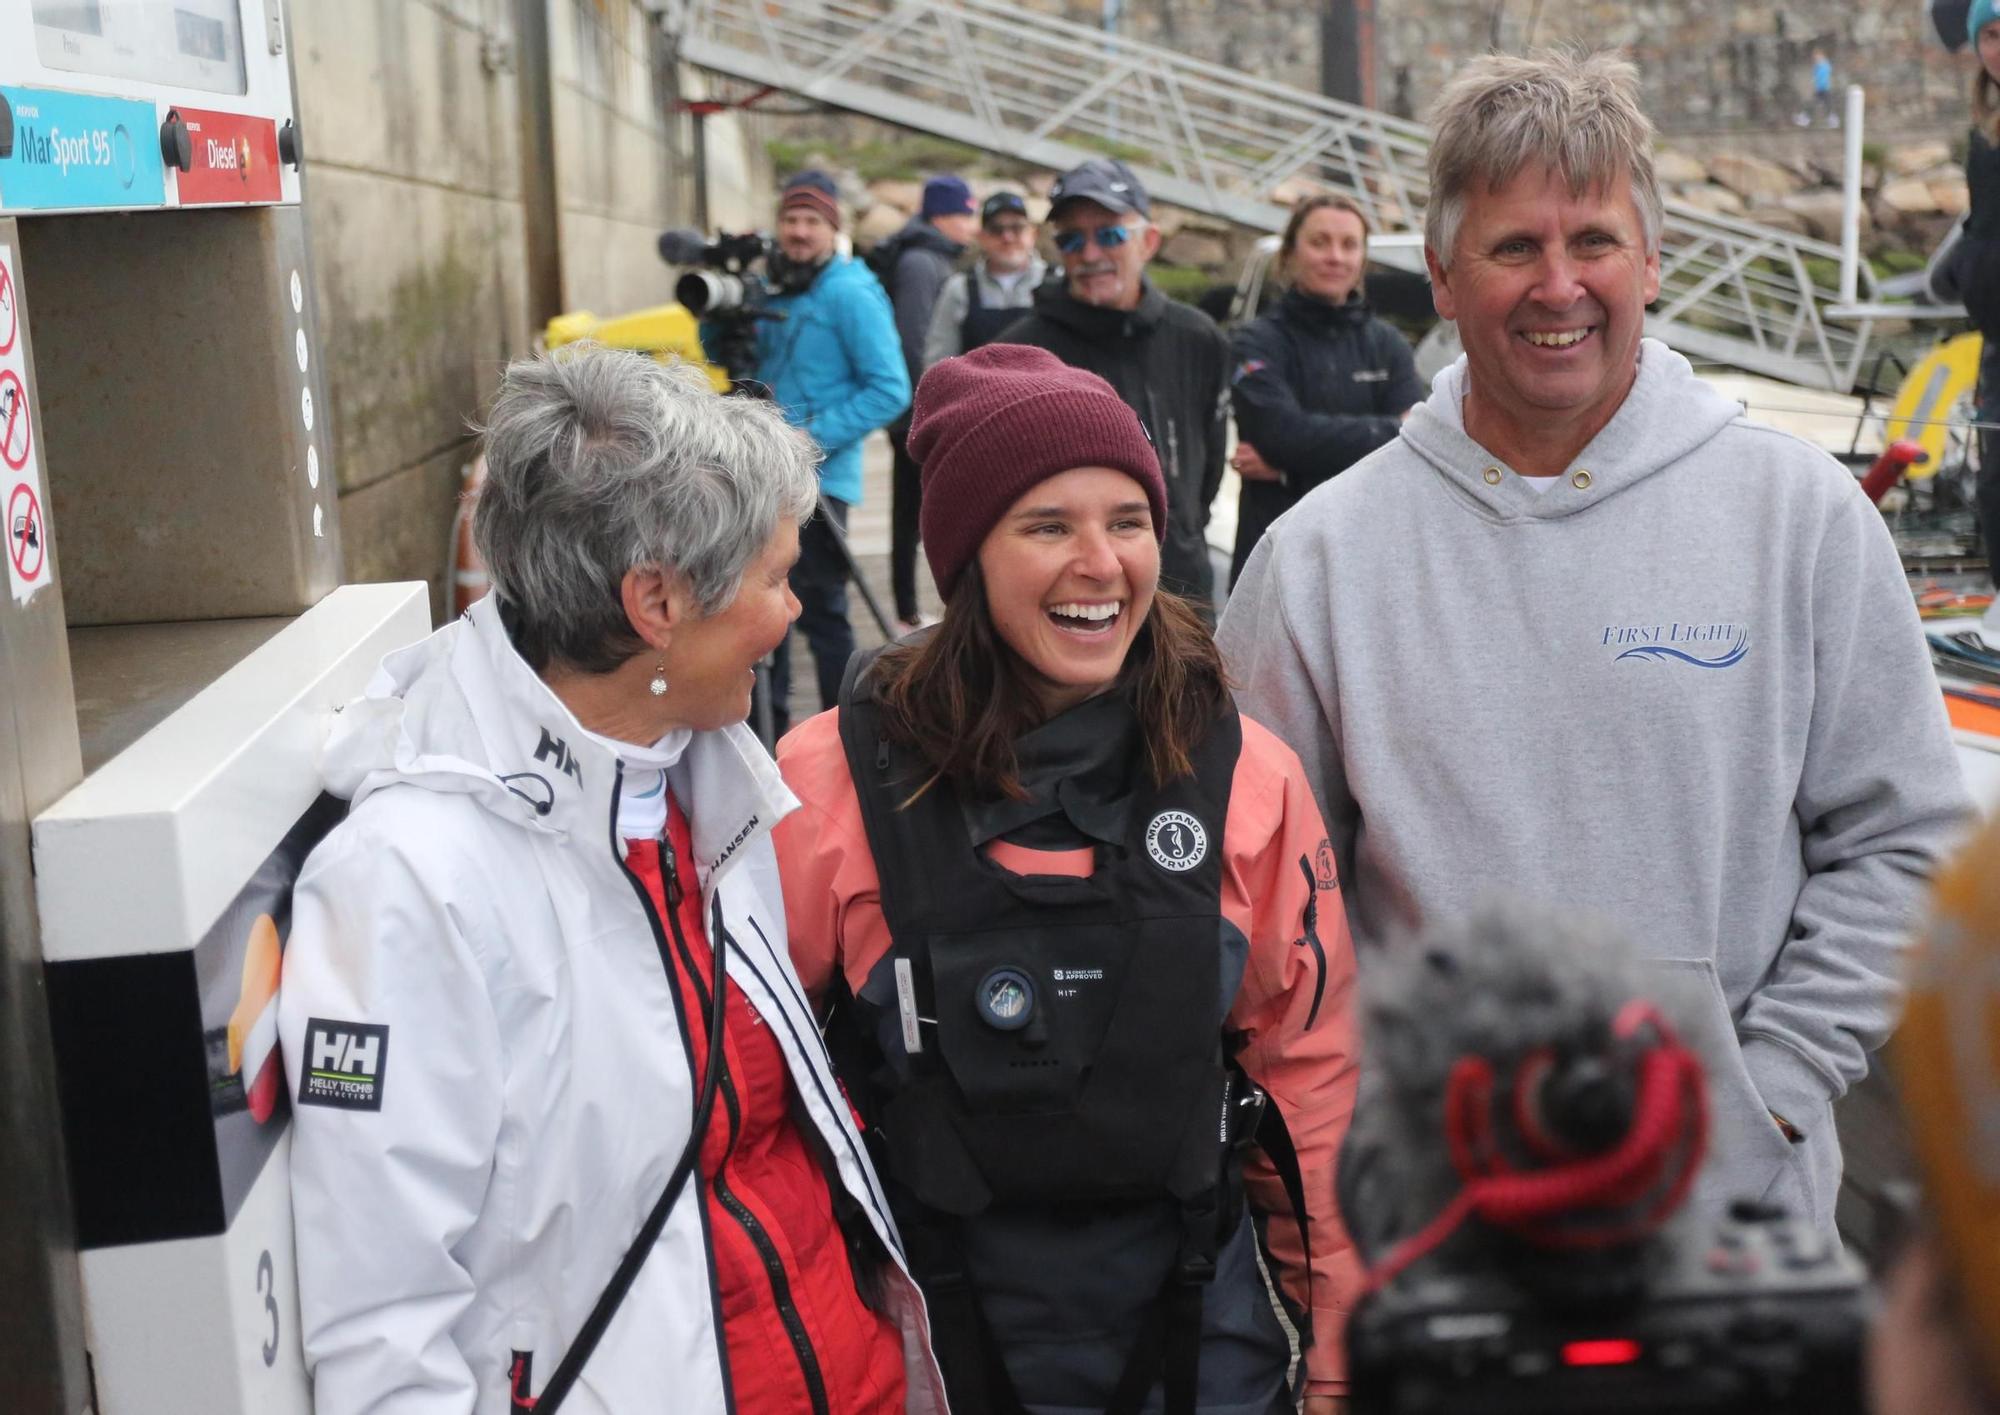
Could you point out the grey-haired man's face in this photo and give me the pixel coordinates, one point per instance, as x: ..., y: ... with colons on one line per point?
x: 1111, y: 275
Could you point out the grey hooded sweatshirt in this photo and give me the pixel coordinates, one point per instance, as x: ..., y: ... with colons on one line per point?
x: 1683, y: 690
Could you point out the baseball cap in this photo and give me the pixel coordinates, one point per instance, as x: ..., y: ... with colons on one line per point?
x: 1001, y: 204
x: 1104, y: 180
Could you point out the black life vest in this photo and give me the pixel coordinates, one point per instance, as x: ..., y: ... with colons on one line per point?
x: 983, y: 323
x: 1044, y: 1043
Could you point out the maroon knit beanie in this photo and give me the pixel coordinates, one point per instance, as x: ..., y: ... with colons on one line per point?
x: 988, y: 425
x: 815, y: 191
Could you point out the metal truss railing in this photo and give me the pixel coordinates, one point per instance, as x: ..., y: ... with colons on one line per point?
x: 1230, y: 144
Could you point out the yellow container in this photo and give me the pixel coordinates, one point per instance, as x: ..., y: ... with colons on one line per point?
x: 664, y: 331
x: 1929, y: 396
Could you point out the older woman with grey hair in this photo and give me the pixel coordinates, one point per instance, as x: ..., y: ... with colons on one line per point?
x: 565, y: 1133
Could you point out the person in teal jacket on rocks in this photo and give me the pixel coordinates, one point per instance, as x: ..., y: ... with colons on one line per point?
x: 834, y: 365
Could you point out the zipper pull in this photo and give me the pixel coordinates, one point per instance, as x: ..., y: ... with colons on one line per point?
x: 670, y: 871
x: 882, y: 752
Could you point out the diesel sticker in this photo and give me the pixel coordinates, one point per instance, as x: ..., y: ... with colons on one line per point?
x: 344, y: 1064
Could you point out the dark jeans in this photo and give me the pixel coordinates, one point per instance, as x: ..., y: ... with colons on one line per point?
x: 820, y: 582
x: 907, y: 501
x: 1989, y: 453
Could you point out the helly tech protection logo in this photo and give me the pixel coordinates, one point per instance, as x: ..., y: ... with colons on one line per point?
x: 344, y: 1064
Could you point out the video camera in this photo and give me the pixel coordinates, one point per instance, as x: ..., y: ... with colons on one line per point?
x: 1516, y: 1176
x: 728, y: 285
x: 729, y: 292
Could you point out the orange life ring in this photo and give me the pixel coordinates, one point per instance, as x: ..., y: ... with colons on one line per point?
x: 469, y: 580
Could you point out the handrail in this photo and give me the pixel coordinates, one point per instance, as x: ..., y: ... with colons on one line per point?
x: 1053, y: 92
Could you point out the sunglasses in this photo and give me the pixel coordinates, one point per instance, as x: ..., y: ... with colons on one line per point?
x: 1109, y: 238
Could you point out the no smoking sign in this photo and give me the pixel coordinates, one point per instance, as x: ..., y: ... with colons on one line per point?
x: 15, y: 434
x: 27, y: 536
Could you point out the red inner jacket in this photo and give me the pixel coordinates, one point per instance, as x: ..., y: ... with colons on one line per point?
x: 798, y: 1337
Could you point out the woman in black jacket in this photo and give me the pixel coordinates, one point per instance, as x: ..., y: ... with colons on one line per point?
x: 1319, y: 381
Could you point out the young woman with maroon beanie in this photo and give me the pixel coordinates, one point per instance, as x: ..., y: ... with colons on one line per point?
x: 1061, y: 907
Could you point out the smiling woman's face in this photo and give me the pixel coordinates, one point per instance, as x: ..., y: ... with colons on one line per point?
x: 1070, y: 572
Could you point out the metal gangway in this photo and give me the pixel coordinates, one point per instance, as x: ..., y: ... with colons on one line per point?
x: 1215, y: 140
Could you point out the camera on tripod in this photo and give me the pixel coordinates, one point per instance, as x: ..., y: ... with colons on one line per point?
x: 727, y: 283
x: 729, y: 292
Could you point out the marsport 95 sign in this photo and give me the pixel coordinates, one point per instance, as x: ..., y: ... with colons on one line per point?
x: 78, y: 151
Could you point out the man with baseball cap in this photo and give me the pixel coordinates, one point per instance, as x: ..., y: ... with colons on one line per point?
x: 976, y: 305
x: 914, y: 265
x: 1167, y: 360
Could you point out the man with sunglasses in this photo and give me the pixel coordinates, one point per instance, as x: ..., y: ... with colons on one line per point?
x: 1167, y: 360
x: 976, y: 305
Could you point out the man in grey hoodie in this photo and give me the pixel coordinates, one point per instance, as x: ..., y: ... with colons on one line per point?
x: 1586, y: 634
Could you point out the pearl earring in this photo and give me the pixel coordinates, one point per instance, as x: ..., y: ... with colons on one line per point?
x: 658, y: 687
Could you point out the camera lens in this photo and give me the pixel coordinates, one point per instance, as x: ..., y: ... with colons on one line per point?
x: 709, y: 292
x: 1005, y: 999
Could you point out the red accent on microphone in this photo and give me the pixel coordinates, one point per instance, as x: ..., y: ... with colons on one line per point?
x: 1583, y: 1203
x: 1615, y: 1352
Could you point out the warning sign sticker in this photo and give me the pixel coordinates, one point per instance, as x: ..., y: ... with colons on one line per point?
x: 15, y: 437
x: 10, y: 317
x: 25, y: 528
x: 27, y: 546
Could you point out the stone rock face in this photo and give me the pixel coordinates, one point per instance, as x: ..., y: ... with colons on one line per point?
x: 1293, y: 190
x: 1910, y: 196
x: 1753, y: 178
x: 1951, y: 195
x: 1718, y: 201
x: 1196, y: 247
x: 1677, y: 169
x: 1909, y: 160
x: 1780, y: 218
x: 1820, y: 210
x: 878, y: 223
x: 906, y: 196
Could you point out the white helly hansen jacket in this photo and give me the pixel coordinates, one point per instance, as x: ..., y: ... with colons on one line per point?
x: 490, y: 1086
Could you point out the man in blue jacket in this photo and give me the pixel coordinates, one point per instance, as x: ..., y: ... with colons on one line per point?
x: 834, y: 364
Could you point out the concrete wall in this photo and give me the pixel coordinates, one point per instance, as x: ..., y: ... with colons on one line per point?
x: 412, y: 112
x: 410, y: 117
x: 618, y: 173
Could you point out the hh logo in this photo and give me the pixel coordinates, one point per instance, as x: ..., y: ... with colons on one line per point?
x: 345, y: 1063
x: 556, y: 753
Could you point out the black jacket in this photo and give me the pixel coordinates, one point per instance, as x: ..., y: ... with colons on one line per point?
x: 1976, y: 262
x: 924, y: 259
x: 1170, y: 364
x: 1316, y: 387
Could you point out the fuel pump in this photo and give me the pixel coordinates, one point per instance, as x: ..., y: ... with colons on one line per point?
x: 173, y: 639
